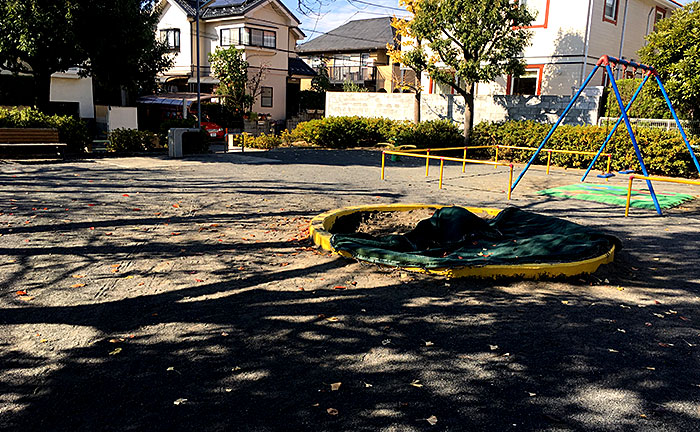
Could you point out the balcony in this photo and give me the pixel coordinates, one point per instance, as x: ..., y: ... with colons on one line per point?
x: 353, y: 74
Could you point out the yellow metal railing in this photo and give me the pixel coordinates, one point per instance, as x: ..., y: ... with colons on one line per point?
x: 442, y: 159
x: 498, y: 146
x: 661, y: 179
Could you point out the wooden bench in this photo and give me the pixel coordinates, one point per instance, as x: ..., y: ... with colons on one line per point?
x: 28, y: 138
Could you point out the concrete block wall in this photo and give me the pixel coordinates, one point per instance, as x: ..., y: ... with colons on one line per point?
x: 399, y: 106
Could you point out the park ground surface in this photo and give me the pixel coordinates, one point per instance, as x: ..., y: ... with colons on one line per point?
x: 153, y: 294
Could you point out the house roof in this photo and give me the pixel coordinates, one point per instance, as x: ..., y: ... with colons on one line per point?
x: 366, y: 34
x: 298, y: 66
x: 226, y: 8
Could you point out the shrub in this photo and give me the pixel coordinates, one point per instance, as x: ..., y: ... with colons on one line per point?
x: 71, y: 130
x: 131, y: 140
x: 346, y: 132
x: 430, y: 134
x: 664, y: 152
x: 263, y: 141
x: 168, y: 124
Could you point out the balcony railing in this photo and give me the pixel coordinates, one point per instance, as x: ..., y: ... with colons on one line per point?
x: 354, y: 74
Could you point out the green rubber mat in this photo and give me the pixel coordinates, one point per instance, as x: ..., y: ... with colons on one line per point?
x: 617, y: 195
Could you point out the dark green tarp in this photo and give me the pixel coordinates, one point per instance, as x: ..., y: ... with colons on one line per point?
x: 455, y: 237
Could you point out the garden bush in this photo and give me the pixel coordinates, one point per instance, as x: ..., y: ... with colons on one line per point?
x: 132, y: 140
x: 263, y: 141
x: 347, y: 132
x: 664, y: 152
x: 71, y: 130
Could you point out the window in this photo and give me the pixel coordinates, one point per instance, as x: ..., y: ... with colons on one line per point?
x: 610, y: 11
x: 527, y: 84
x: 266, y: 97
x: 659, y: 15
x: 248, y: 36
x: 172, y: 38
x: 230, y: 36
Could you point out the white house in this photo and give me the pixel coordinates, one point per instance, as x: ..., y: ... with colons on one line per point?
x: 265, y: 30
x: 569, y: 36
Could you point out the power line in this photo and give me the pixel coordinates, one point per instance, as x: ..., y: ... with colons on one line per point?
x: 377, y: 5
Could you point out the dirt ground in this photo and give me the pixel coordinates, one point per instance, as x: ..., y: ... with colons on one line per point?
x: 153, y: 294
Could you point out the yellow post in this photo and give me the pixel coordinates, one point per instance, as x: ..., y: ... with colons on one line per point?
x: 464, y: 162
x: 629, y: 196
x: 609, y: 160
x: 427, y: 163
x: 510, y: 181
x: 495, y: 166
x: 549, y: 160
x: 442, y: 166
x: 383, y: 157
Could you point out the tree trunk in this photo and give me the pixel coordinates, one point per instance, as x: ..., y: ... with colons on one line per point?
x: 416, y: 108
x: 468, y: 114
x: 42, y: 84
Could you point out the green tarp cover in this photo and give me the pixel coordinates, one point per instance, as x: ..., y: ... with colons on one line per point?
x: 617, y: 195
x: 455, y: 237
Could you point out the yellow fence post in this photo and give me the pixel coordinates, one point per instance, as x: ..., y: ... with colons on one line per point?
x: 549, y: 160
x: 510, y: 181
x: 383, y: 157
x: 609, y: 160
x: 496, y: 160
x: 629, y: 196
x: 427, y: 163
x: 442, y: 166
x: 464, y: 163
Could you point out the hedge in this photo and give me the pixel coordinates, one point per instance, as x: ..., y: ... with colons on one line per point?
x: 71, y: 131
x: 664, y: 152
x: 132, y: 140
x: 347, y: 132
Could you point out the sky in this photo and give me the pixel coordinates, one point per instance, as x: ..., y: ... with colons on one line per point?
x: 334, y: 13
x: 325, y: 15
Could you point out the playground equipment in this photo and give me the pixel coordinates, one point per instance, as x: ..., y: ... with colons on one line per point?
x: 606, y: 62
x: 649, y: 178
x: 459, y: 242
x: 442, y: 160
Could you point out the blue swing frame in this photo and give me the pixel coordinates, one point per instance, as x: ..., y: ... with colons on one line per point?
x: 606, y: 62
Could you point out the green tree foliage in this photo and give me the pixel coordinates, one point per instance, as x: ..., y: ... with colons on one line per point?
x: 349, y: 86
x: 649, y: 103
x: 119, y: 42
x: 114, y: 40
x: 674, y: 50
x: 471, y: 41
x: 231, y: 70
x: 37, y: 37
x: 321, y: 83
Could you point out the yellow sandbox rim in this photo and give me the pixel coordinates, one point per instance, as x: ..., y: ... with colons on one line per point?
x: 321, y: 225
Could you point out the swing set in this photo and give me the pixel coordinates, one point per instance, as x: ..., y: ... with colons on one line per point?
x: 609, y: 63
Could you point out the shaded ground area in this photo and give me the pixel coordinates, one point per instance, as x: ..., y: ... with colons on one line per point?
x: 149, y: 294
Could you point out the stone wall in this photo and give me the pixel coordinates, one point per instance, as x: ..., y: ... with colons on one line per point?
x: 399, y: 106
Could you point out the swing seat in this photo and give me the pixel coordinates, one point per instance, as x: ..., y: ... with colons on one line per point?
x: 630, y: 171
x: 606, y: 175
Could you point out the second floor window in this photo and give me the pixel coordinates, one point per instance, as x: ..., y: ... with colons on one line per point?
x: 172, y: 38
x: 610, y: 11
x: 248, y: 36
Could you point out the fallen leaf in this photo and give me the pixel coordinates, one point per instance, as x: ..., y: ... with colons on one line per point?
x: 78, y: 276
x: 26, y: 298
x: 565, y: 302
x: 332, y: 411
x: 176, y: 205
x: 179, y: 401
x: 199, y: 280
x: 78, y: 285
x: 43, y: 341
x: 532, y: 394
x: 335, y: 386
x: 116, y: 351
x: 340, y: 287
x: 416, y: 383
x: 621, y: 330
x: 171, y: 368
x: 333, y: 319
x: 428, y: 343
x: 613, y: 351
x: 493, y: 347
x: 125, y: 195
x: 21, y: 292
x: 650, y: 368
x: 665, y: 345
x: 432, y: 420
x: 228, y: 390
x: 367, y: 385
